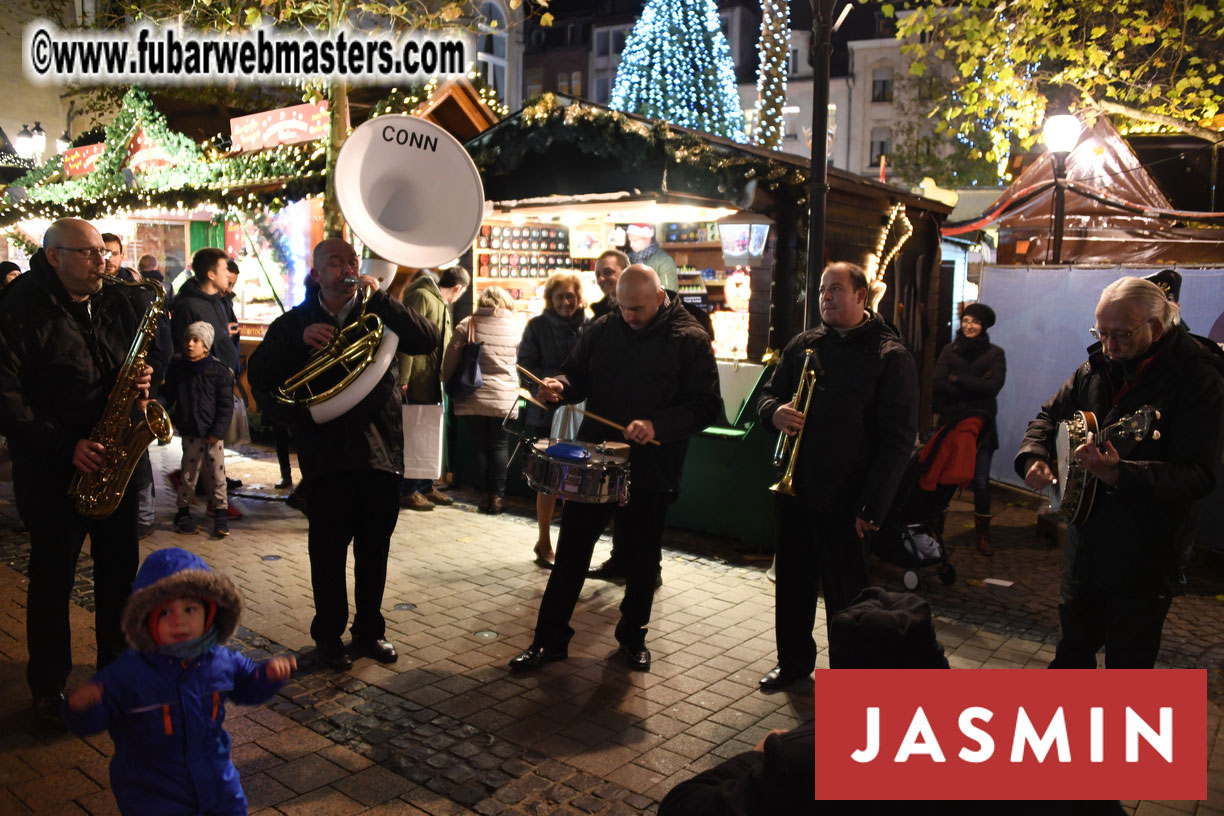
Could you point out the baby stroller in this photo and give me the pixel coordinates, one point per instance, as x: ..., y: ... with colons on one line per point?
x: 911, y: 536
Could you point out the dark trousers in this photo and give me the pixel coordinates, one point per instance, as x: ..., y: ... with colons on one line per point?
x: 1127, y: 627
x: 981, y: 482
x: 281, y: 432
x: 362, y: 507
x: 57, y: 534
x: 639, y: 529
x: 817, y: 551
x: 410, y: 486
x: 491, y: 449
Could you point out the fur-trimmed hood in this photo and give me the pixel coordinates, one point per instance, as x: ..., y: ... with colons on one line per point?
x: 175, y: 573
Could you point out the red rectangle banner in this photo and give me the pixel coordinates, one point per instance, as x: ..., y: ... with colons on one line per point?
x: 1011, y: 734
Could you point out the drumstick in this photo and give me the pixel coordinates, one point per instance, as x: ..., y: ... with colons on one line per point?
x: 595, y: 417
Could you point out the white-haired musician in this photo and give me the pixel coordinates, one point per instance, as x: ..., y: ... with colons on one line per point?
x: 1120, y: 565
x: 352, y: 464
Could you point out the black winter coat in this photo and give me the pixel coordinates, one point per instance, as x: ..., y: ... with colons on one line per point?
x: 547, y: 340
x: 200, y: 397
x: 191, y: 305
x: 968, y: 378
x: 370, y: 435
x: 1134, y: 538
x: 58, y: 362
x: 863, y: 421
x: 664, y: 373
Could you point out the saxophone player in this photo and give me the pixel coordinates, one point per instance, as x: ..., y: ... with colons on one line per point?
x: 64, y: 341
x: 859, y: 430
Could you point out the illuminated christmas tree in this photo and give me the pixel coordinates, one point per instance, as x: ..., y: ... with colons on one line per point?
x: 677, y: 66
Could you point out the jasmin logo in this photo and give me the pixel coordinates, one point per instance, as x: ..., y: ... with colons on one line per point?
x: 1011, y: 734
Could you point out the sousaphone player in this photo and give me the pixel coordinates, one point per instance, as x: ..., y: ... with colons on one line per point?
x: 350, y: 445
x: 1120, y: 564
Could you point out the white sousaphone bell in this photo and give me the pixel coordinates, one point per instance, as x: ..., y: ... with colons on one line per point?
x: 412, y: 194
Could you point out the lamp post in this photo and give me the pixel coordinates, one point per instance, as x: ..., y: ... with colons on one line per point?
x: 40, y: 141
x: 818, y: 190
x: 1060, y: 133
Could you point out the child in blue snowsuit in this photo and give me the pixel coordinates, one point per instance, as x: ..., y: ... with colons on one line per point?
x: 163, y: 700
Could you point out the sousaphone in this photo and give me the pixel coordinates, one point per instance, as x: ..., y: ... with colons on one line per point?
x: 412, y: 194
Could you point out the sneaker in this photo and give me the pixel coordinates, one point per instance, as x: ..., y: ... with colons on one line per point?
x: 220, y: 525
x: 231, y: 510
x: 415, y: 501
x: 184, y: 523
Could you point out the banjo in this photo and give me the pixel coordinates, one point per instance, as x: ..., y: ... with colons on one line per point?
x: 1074, y: 489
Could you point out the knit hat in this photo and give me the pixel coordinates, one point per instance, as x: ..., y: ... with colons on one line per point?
x: 201, y: 331
x: 981, y: 313
x: 885, y: 630
x: 175, y: 573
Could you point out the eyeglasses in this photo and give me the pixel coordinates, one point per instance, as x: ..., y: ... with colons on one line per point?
x: 1120, y: 336
x: 89, y: 252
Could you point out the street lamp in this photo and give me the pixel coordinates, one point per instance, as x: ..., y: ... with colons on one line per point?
x: 1061, y: 133
x: 24, y: 142
x: 40, y: 141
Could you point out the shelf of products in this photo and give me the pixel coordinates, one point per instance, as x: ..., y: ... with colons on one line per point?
x: 527, y: 251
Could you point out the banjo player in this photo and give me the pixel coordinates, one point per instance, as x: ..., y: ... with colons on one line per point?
x: 1120, y: 564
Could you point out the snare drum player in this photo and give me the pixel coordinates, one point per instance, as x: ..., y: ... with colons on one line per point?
x: 1120, y: 565
x: 647, y: 365
x: 351, y: 465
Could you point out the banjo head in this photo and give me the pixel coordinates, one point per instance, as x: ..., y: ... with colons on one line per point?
x: 1070, y: 497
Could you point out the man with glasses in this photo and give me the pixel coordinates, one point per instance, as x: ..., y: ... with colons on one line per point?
x: 63, y: 340
x: 1120, y: 565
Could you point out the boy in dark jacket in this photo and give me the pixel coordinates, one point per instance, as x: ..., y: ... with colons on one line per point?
x: 163, y: 700
x: 199, y: 390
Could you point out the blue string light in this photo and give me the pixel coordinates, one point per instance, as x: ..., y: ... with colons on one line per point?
x: 677, y: 66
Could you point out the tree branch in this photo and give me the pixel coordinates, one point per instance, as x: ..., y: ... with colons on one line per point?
x: 1138, y: 115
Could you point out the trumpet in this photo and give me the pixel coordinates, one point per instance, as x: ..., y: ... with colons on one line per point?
x: 787, y: 450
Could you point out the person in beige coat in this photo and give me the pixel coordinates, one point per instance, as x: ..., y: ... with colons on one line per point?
x: 484, y: 410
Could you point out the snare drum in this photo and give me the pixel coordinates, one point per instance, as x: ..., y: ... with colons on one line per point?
x: 594, y: 473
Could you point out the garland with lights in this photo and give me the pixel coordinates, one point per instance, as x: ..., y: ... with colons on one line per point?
x: 677, y: 66
x: 773, y: 51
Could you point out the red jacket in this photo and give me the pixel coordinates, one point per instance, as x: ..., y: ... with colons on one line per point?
x: 954, y: 458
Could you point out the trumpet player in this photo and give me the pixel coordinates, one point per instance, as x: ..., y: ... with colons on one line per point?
x: 63, y: 342
x: 852, y: 426
x: 351, y: 465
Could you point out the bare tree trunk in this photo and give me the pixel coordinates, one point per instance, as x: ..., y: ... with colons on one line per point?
x: 333, y: 219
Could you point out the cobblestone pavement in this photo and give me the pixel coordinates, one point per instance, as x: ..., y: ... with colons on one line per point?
x: 447, y: 730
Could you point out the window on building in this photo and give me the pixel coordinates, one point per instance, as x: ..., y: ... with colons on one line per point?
x: 492, y: 41
x: 618, y: 40
x: 792, y: 66
x: 533, y: 82
x: 601, y: 43
x: 602, y: 94
x: 881, y: 144
x: 882, y: 84
x: 576, y: 83
x: 563, y: 85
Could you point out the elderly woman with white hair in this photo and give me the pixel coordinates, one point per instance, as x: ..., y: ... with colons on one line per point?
x: 495, y: 326
x: 1121, y: 563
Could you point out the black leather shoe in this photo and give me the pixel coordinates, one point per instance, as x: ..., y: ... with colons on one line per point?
x: 778, y: 678
x: 47, y: 710
x: 381, y: 650
x: 638, y: 659
x: 334, y: 656
x: 608, y: 571
x: 535, y: 657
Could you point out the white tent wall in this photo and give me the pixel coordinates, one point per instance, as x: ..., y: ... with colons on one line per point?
x: 1044, y: 314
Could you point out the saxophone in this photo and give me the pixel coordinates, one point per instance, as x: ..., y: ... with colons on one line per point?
x: 124, y: 434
